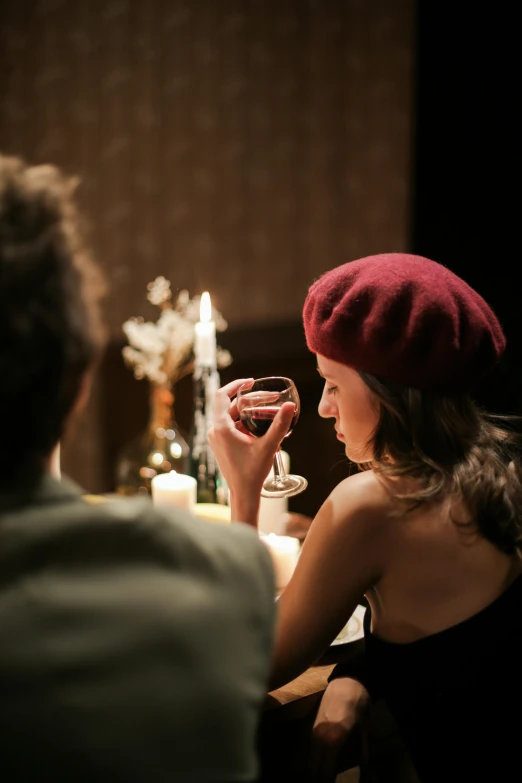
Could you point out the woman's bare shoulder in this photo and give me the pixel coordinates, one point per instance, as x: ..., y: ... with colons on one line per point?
x: 364, y: 491
x: 359, y: 503
x: 352, y: 531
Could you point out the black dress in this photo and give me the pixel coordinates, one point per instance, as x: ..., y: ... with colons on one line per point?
x: 456, y: 695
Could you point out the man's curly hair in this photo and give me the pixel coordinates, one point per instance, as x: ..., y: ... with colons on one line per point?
x: 50, y: 323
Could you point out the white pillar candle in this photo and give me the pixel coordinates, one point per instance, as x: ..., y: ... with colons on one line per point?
x: 272, y: 510
x: 285, y: 553
x: 174, y: 489
x: 205, y: 334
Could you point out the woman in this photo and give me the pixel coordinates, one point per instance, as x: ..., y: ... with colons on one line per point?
x: 429, y: 531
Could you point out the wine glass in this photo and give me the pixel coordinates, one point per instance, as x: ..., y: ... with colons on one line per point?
x: 257, y: 403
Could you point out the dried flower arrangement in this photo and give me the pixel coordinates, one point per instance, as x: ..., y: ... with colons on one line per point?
x: 163, y: 351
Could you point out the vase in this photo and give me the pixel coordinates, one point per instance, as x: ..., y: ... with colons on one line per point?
x: 159, y: 449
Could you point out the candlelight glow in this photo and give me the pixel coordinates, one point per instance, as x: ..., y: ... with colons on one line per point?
x: 174, y: 489
x: 205, y: 308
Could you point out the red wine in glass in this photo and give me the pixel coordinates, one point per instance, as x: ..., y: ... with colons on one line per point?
x: 258, y: 420
x: 257, y: 403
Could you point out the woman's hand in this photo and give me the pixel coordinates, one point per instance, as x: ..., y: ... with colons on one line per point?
x: 245, y: 461
x: 344, y: 706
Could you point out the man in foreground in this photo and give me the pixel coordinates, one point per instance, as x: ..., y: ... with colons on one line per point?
x: 135, y: 643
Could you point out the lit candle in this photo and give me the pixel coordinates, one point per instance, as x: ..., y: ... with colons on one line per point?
x: 174, y: 489
x: 285, y: 553
x: 205, y: 334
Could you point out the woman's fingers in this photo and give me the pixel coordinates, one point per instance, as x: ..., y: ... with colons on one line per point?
x: 231, y: 388
x: 233, y: 411
x: 240, y: 427
x: 280, y: 425
x: 224, y: 410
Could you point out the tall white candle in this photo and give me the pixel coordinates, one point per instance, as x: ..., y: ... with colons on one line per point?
x: 205, y: 334
x: 285, y: 553
x: 174, y: 489
x: 272, y: 510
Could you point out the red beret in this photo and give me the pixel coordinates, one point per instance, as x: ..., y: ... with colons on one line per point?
x: 405, y: 319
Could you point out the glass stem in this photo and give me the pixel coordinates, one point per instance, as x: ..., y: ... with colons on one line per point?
x: 279, y: 468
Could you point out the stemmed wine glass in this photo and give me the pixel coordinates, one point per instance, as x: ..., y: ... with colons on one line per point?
x: 257, y: 403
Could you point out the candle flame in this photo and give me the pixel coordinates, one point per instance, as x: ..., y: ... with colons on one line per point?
x: 205, y: 308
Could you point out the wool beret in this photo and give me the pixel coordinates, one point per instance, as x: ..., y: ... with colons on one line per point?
x: 405, y: 319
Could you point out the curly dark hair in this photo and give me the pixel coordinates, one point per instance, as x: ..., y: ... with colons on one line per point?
x: 50, y: 320
x: 453, y: 449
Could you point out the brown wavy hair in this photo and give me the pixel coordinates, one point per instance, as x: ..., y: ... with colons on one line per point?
x: 452, y: 449
x: 51, y: 328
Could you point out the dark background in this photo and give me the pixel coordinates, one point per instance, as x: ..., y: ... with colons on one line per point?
x: 246, y: 146
x: 466, y: 172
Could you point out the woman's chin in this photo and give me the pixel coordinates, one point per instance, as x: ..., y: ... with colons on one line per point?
x: 357, y: 455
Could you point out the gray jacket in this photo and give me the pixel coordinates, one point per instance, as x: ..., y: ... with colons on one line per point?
x: 134, y: 643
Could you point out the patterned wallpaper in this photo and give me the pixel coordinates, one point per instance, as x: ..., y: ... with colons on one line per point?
x: 239, y: 146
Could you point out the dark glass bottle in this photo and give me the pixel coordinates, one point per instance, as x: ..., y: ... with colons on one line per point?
x: 160, y: 449
x: 211, y: 486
